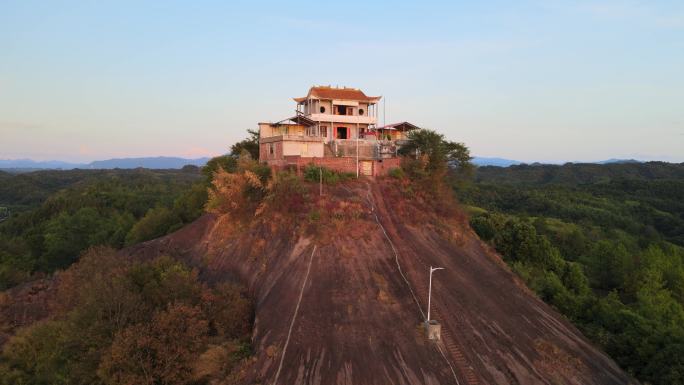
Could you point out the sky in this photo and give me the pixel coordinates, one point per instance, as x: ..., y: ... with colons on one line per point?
x: 548, y: 81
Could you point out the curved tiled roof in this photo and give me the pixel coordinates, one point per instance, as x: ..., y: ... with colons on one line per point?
x: 327, y: 92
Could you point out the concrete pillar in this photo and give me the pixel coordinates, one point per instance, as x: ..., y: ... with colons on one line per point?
x: 433, y: 330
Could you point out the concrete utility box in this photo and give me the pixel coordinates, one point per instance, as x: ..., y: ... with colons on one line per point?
x: 434, y: 330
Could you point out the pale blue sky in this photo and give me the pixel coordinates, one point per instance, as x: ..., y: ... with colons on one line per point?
x: 527, y: 80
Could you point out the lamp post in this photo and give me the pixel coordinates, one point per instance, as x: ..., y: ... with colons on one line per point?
x: 357, y: 151
x: 432, y: 270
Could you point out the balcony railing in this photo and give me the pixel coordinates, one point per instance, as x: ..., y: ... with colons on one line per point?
x: 299, y: 138
x: 365, y: 148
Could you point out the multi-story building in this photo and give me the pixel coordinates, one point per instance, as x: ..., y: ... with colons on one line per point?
x: 334, y: 127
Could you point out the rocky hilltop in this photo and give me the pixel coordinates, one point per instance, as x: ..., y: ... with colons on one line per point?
x: 341, y: 294
x: 343, y: 304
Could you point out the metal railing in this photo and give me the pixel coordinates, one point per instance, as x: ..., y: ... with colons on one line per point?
x: 365, y: 148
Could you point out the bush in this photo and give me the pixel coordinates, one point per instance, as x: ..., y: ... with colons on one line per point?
x: 285, y: 193
x: 119, y: 322
x: 313, y: 173
x: 397, y: 173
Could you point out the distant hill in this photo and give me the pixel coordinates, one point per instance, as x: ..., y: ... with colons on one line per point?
x: 612, y: 161
x: 499, y: 162
x: 160, y: 162
x: 579, y: 173
x: 32, y: 164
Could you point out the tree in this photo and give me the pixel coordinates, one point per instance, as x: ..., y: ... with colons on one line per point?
x: 37, y: 355
x: 224, y: 162
x: 229, y: 311
x: 437, y: 152
x: 163, y: 351
x: 251, y: 145
x: 155, y: 223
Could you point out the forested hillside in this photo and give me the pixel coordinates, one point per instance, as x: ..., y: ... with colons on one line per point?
x: 601, y: 243
x: 56, y: 215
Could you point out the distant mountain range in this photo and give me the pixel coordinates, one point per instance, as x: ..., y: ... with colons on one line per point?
x: 609, y: 161
x: 160, y: 162
x: 502, y: 162
x: 167, y: 162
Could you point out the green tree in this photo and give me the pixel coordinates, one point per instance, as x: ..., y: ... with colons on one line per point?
x: 250, y: 144
x: 157, y: 222
x: 437, y: 151
x: 66, y: 235
x: 39, y: 354
x: 225, y: 162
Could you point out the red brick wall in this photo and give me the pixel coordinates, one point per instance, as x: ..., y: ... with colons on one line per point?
x: 346, y: 164
x: 338, y: 164
x: 265, y: 153
x: 383, y: 168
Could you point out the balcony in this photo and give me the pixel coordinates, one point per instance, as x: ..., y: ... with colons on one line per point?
x: 298, y: 138
x: 353, y: 119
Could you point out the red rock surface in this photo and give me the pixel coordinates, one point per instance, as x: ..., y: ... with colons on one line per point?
x: 358, y: 321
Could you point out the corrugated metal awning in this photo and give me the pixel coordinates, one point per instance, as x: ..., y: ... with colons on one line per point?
x: 402, y: 126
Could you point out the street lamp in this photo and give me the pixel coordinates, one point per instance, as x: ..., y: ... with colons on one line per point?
x: 432, y: 270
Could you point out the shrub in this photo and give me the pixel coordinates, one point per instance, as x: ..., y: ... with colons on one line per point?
x: 119, y: 322
x: 240, y: 192
x: 397, y: 173
x: 313, y: 173
x: 285, y: 193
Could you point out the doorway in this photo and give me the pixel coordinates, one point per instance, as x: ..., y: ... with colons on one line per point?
x: 367, y: 168
x: 341, y: 133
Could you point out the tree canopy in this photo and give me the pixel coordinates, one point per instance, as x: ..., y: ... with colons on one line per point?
x: 602, y: 244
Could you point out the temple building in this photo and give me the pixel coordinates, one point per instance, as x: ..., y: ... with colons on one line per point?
x: 336, y: 128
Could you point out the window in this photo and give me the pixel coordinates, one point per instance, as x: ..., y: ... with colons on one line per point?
x: 324, y: 131
x: 341, y: 110
x: 360, y: 111
x: 271, y: 149
x: 322, y: 109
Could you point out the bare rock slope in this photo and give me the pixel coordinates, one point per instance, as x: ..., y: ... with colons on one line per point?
x: 344, y: 304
